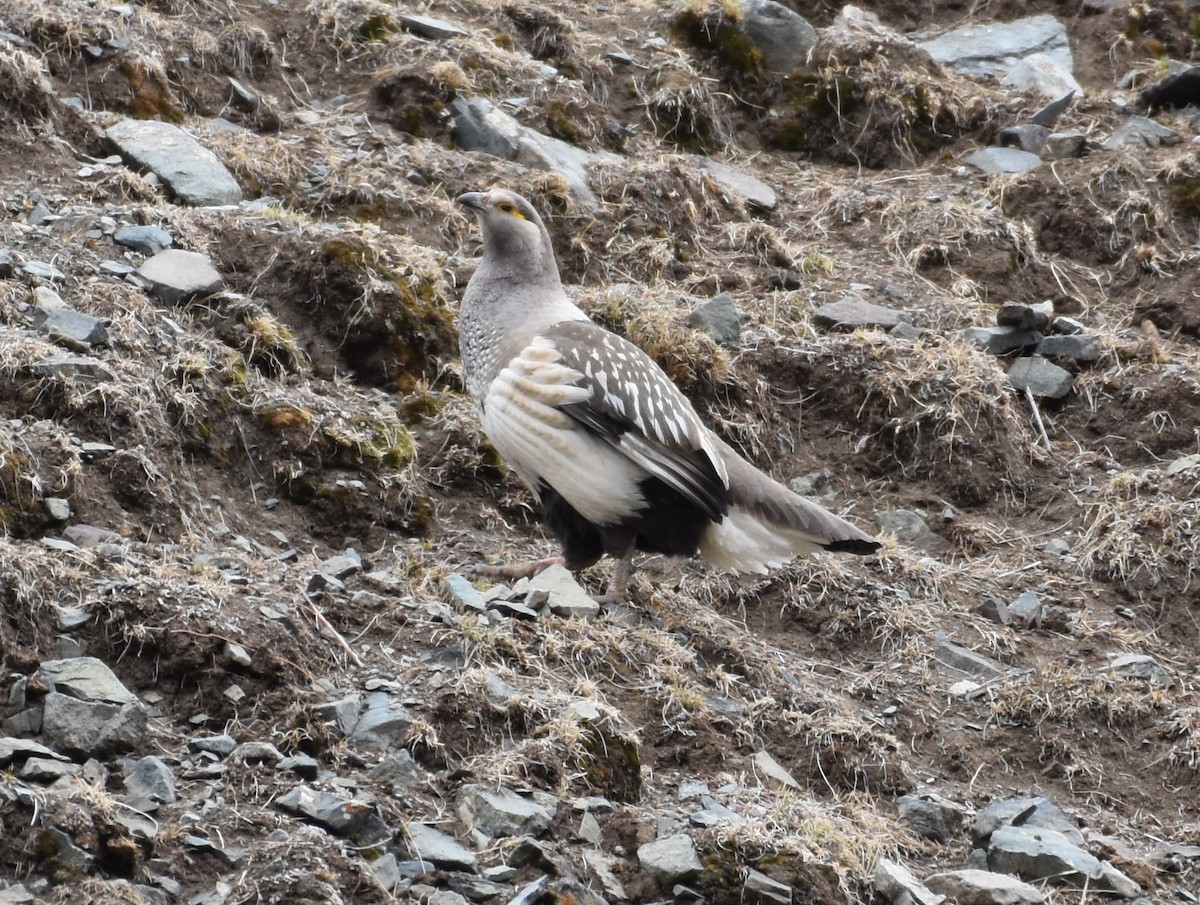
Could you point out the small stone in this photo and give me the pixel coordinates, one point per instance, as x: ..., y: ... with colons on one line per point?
x: 220, y: 745
x: 178, y: 276
x: 1026, y: 136
x: 932, y: 816
x: 386, y: 872
x: 192, y: 172
x: 983, y: 887
x: 670, y: 859
x: 57, y: 508
x: 1080, y: 347
x: 1040, y: 377
x: 565, y: 597
x: 1001, y: 340
x: 500, y: 812
x: 1141, y: 666
x: 85, y: 678
x: 72, y: 367
x: 1061, y: 145
x: 1037, y: 812
x: 1141, y: 132
x: 347, y: 818
x: 343, y: 565
x: 445, y: 851
x: 45, y: 770
x: 303, y: 765
x: 399, y: 769
x: 463, y: 594
x: 43, y: 270
x: 384, y: 724
x: 999, y: 161
x: 896, y: 883
x: 149, y: 240
x: 151, y: 780
x: 994, y: 610
x: 18, y: 750
x: 430, y: 27
x: 235, y: 858
x: 962, y: 660
x: 784, y: 37
x: 763, y: 888
x: 92, y: 728
x: 851, y: 312
x: 1020, y: 316
x: 255, y: 753
x: 1044, y: 76
x: 911, y: 530
x: 772, y: 770
x: 1027, y: 610
x: 720, y: 318
x: 752, y: 191
x: 589, y: 829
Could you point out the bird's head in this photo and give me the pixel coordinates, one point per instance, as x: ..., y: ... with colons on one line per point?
x: 513, y: 233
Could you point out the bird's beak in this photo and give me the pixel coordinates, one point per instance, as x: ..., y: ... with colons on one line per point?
x: 473, y: 200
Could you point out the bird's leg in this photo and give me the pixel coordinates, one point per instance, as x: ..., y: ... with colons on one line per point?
x: 516, y: 569
x: 618, y: 582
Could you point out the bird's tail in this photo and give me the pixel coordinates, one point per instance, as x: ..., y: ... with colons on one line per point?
x: 768, y: 524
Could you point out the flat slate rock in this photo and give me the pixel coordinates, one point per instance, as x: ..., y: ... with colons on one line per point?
x: 430, y: 844
x: 1003, y: 339
x: 1041, y: 377
x: 750, y: 189
x: 1043, y: 75
x: 998, y: 161
x: 430, y: 27
x: 850, y: 312
x: 176, y: 276
x: 670, y: 859
x: 193, y: 173
x: 983, y: 887
x: 85, y: 678
x: 994, y: 48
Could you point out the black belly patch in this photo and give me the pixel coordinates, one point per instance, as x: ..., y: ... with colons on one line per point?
x: 670, y: 524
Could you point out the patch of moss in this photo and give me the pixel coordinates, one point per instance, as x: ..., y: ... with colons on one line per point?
x: 562, y: 121
x: 1186, y: 198
x: 378, y: 28
x: 717, y: 33
x: 612, y: 765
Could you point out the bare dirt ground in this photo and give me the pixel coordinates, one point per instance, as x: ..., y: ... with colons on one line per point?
x: 325, y: 381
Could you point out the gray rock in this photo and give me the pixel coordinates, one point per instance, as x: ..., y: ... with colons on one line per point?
x: 769, y: 768
x: 1028, y: 137
x: 1050, y: 113
x: 399, y: 769
x: 1079, y: 347
x: 193, y: 173
x: 896, y: 883
x: 850, y: 312
x: 1067, y: 326
x: 386, y: 872
x: 71, y: 367
x: 760, y: 887
x: 463, y: 594
x: 670, y: 859
x: 255, y: 753
x: 62, y: 323
x: 911, y: 530
x: 589, y: 829
x: 1027, y: 610
x: 303, y: 765
x: 502, y: 812
x: 998, y: 161
x: 1043, y: 75
x: 43, y: 271
x: 53, y: 843
x: 348, y: 818
x: 962, y: 660
x: 1020, y: 316
x: 58, y: 509
x: 564, y: 595
x: 1040, y: 854
x: 1141, y: 666
x: 1040, y: 377
x: 1060, y: 145
x: 995, y: 610
x: 91, y: 728
x: 932, y: 816
x: 149, y: 240
x: 480, y: 126
x: 785, y: 38
x: 1001, y: 340
x: 720, y: 318
x: 44, y: 769
x: 983, y: 887
x: 85, y: 678
x: 603, y: 868
x: 1037, y: 812
x: 235, y: 858
x: 429, y: 27
x: 343, y: 565
x: 7, y: 265
x: 533, y: 893
x: 87, y: 536
x: 18, y: 750
x: 17, y: 894
x: 751, y: 190
x: 384, y: 724
x: 151, y: 780
x: 1141, y: 132
x: 444, y: 850
x: 178, y: 276
x: 995, y: 48
x: 220, y: 745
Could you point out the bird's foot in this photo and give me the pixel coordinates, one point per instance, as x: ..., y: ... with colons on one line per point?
x: 515, y: 570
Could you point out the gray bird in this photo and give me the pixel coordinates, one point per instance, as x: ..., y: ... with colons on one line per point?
x: 614, y: 451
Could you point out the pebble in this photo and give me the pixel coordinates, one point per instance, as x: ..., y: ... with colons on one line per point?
x: 670, y: 859
x: 178, y: 276
x: 1040, y: 377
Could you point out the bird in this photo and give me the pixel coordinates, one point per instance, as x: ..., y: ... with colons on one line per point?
x: 616, y: 454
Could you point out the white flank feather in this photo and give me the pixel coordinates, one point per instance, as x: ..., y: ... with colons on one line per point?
x: 745, y: 543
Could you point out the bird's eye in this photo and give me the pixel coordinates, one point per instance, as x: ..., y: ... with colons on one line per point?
x: 506, y: 206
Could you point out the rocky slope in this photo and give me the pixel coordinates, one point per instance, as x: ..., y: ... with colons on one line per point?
x: 240, y: 484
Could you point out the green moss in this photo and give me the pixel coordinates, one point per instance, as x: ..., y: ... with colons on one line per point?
x: 717, y: 33
x: 612, y: 765
x: 562, y: 121
x: 377, y: 28
x: 1186, y: 198
x: 387, y: 442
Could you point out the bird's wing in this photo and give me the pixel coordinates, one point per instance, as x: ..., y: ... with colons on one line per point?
x: 634, y: 406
